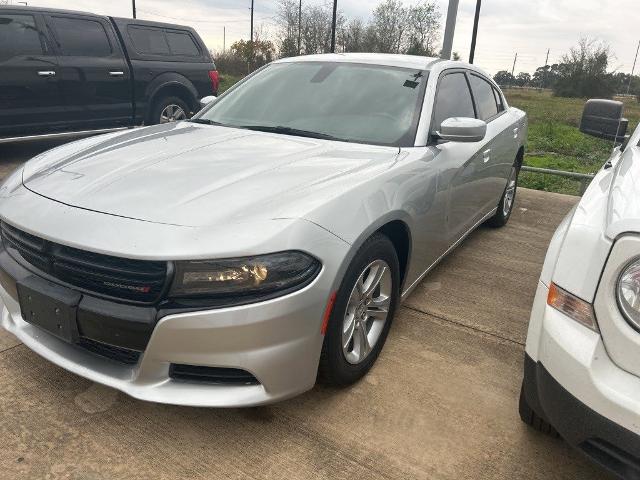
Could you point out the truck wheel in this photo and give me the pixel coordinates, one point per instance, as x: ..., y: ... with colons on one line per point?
x: 508, y: 199
x: 531, y: 418
x: 168, y: 109
x: 362, y: 313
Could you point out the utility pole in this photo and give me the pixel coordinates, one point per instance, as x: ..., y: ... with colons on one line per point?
x: 449, y: 30
x: 633, y: 69
x: 300, y: 28
x: 513, y: 69
x: 476, y: 20
x: 546, y: 64
x: 133, y: 2
x: 333, y: 26
x: 251, y: 41
x: 224, y: 39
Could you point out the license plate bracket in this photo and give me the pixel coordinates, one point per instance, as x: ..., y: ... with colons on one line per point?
x: 49, y: 306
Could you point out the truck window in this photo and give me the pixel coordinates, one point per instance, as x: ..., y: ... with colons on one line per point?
x: 81, y: 38
x: 181, y: 43
x: 148, y: 40
x: 19, y: 36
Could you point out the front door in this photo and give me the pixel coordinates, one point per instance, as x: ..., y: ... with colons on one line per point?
x: 29, y: 95
x: 94, y: 77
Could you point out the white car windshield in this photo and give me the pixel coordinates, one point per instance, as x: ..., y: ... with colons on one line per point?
x: 340, y: 101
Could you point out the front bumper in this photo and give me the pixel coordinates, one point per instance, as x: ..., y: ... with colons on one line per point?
x: 277, y: 341
x: 571, y: 382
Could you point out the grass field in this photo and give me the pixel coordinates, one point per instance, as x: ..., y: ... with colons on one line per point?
x: 555, y: 141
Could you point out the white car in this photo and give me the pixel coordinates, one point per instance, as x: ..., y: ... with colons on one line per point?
x: 582, y: 363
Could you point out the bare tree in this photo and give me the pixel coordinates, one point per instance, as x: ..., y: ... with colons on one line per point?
x: 388, y: 25
x: 423, y: 25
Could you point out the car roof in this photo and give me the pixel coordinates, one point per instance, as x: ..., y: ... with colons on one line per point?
x: 23, y: 8
x: 387, y: 59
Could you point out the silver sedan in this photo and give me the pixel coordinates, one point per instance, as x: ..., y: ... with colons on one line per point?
x: 229, y: 259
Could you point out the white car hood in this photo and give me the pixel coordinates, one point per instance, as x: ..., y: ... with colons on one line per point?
x: 196, y: 175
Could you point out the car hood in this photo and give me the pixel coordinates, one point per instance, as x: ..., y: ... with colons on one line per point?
x: 196, y: 175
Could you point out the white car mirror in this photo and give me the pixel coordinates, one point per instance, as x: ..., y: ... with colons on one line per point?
x: 462, y: 129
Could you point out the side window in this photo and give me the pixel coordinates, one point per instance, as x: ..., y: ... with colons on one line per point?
x: 181, y: 43
x: 19, y: 36
x: 453, y: 99
x: 81, y: 38
x: 148, y: 40
x: 484, y: 95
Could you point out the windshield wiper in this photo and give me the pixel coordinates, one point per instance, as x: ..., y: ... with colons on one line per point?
x: 290, y: 131
x: 204, y: 121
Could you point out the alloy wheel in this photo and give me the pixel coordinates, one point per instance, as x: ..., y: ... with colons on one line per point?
x: 172, y: 113
x: 367, y: 311
x: 510, y: 192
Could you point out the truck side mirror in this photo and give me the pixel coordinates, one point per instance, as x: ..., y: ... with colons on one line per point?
x: 603, y: 119
x: 206, y: 101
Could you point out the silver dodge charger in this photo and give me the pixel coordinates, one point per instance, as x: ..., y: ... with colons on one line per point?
x: 231, y: 259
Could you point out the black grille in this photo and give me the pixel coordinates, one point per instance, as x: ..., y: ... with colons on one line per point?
x: 196, y: 373
x: 119, y: 354
x: 121, y: 278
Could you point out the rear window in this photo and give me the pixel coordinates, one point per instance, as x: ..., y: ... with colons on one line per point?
x: 81, y: 38
x: 157, y: 41
x: 181, y: 43
x: 149, y: 41
x: 18, y: 36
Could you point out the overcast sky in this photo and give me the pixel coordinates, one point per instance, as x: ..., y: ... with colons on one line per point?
x: 528, y: 27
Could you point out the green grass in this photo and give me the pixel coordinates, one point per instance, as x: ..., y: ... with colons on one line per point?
x: 227, y: 81
x: 555, y: 141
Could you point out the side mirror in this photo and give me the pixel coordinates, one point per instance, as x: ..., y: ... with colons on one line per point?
x: 462, y: 129
x: 206, y: 101
x: 603, y: 119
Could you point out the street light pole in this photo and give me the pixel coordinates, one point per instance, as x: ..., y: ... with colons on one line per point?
x: 333, y: 26
x: 633, y: 69
x: 476, y: 20
x: 133, y: 4
x: 449, y: 30
x: 300, y: 28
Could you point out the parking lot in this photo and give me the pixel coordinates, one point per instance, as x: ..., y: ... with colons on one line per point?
x: 441, y: 402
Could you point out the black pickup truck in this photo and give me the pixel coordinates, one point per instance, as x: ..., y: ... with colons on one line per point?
x: 63, y: 70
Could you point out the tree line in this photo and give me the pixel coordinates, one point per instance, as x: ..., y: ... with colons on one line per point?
x: 392, y: 28
x: 582, y: 73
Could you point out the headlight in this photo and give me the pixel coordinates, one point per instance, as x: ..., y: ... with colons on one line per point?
x: 263, y: 274
x: 628, y: 293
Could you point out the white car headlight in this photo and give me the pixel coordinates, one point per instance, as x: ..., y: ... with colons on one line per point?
x: 628, y: 293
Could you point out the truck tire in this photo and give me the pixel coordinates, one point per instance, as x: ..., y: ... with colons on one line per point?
x: 168, y: 109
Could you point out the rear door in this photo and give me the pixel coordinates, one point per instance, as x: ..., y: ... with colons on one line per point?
x: 499, y: 155
x: 93, y: 75
x: 29, y: 93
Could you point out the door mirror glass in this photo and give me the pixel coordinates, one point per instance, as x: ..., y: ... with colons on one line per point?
x: 603, y: 119
x: 462, y: 129
x: 207, y: 100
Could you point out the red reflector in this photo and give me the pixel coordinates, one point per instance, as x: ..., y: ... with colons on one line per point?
x: 327, y: 313
x: 215, y: 80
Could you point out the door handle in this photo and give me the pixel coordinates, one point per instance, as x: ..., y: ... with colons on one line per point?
x: 486, y: 155
x: 46, y: 73
x: 116, y: 74
x: 515, y: 132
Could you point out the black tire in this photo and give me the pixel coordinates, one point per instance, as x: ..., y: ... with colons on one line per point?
x: 334, y: 368
x: 531, y: 418
x: 501, y: 217
x: 159, y: 105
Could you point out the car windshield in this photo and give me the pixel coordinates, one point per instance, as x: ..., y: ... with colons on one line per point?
x: 339, y: 101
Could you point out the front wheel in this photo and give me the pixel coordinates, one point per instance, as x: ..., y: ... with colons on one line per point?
x: 508, y: 199
x: 362, y: 313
